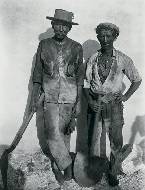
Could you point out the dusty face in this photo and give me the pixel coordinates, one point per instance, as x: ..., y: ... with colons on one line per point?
x: 61, y: 29
x: 106, y: 38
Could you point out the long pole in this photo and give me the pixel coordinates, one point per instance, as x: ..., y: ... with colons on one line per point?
x: 19, y: 134
x: 95, y: 127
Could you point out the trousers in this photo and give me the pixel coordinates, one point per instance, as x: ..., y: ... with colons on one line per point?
x: 51, y: 121
x: 111, y: 117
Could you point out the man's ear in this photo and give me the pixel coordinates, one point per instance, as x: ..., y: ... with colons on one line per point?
x: 115, y: 38
x: 52, y: 24
x: 70, y: 27
x: 98, y: 37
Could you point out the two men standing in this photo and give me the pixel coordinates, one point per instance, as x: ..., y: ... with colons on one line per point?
x: 59, y: 74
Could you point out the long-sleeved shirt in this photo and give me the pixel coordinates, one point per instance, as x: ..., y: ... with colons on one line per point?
x: 59, y: 69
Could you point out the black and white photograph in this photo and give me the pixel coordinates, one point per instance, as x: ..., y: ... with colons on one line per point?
x: 72, y: 94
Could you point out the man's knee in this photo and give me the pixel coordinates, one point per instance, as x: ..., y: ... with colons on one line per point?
x: 118, y: 141
x: 116, y: 137
x: 45, y: 150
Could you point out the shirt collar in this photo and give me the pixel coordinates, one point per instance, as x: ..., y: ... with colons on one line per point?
x: 61, y: 43
x: 114, y: 53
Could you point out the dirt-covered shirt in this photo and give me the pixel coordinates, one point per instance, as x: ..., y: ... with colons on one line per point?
x: 121, y: 65
x: 59, y: 69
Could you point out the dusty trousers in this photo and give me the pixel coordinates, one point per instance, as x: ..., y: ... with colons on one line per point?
x: 111, y: 117
x: 51, y: 123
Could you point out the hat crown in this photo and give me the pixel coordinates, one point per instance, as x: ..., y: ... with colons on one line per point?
x: 63, y: 15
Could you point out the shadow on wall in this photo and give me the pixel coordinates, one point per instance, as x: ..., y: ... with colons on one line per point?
x: 89, y: 48
x: 39, y: 115
x: 48, y: 34
x: 138, y: 127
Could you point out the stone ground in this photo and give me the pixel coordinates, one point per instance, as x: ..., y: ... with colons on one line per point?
x: 33, y: 172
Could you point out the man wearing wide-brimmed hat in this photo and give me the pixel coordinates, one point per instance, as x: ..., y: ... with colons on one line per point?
x: 59, y: 74
x: 104, y: 90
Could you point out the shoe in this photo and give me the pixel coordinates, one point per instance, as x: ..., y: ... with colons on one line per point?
x: 121, y: 172
x: 59, y: 176
x: 68, y: 174
x: 112, y: 180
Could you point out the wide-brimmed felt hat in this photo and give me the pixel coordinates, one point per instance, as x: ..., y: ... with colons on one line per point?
x: 64, y: 16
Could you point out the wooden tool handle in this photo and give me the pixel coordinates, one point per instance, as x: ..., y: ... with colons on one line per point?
x: 23, y: 127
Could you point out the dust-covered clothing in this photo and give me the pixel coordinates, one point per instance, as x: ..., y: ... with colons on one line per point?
x: 109, y: 82
x: 59, y: 71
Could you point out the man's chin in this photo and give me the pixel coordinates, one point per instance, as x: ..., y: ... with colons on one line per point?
x: 106, y: 46
x: 60, y: 36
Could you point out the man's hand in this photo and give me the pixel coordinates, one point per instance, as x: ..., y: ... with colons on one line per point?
x: 119, y: 97
x: 94, y: 105
x: 70, y: 127
x: 34, y: 104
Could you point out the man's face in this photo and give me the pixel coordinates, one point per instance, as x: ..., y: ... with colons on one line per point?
x: 60, y: 29
x: 106, y: 38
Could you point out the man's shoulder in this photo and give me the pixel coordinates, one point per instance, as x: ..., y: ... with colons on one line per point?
x: 75, y: 43
x: 123, y: 56
x: 49, y: 41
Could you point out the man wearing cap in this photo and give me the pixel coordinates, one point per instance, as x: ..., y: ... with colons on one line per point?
x: 103, y: 88
x: 58, y: 73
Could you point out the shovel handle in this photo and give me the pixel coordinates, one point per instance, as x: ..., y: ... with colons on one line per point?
x: 21, y: 131
x: 4, y: 157
x: 23, y: 127
x: 95, y: 127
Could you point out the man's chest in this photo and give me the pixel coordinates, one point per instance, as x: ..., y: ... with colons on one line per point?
x: 58, y: 51
x: 59, y: 60
x: 104, y: 64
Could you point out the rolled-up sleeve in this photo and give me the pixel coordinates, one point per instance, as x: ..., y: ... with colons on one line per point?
x: 130, y: 70
x: 88, y: 73
x: 38, y: 69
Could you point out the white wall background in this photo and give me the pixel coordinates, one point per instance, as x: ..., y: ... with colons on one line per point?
x: 21, y: 23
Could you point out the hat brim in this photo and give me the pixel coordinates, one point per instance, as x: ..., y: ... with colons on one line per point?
x: 55, y: 19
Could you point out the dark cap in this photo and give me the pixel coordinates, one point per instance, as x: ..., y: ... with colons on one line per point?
x: 108, y: 26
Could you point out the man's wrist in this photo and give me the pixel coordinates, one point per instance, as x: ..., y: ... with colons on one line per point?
x: 124, y: 98
x: 36, y: 90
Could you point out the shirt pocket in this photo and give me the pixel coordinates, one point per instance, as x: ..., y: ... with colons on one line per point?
x: 70, y: 72
x: 48, y: 64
